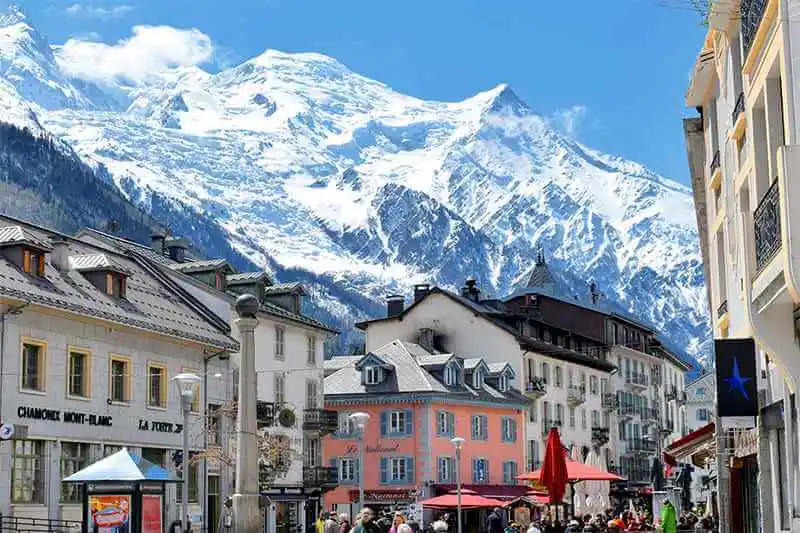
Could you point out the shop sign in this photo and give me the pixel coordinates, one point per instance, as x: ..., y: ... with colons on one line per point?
x: 160, y: 427
x: 385, y: 495
x: 378, y: 448
x: 67, y: 417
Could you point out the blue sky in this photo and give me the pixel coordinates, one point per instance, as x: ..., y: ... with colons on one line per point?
x: 614, y: 71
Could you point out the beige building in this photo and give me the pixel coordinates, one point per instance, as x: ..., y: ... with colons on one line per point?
x: 743, y: 152
x: 89, y: 341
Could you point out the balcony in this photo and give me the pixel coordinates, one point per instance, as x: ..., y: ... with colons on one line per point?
x: 548, y: 424
x: 668, y: 426
x: 715, y: 162
x: 751, y: 11
x: 655, y: 376
x: 320, y: 420
x: 682, y: 398
x: 600, y: 435
x: 722, y: 309
x: 738, y: 108
x: 767, y: 223
x: 576, y: 395
x: 536, y: 387
x: 609, y: 401
x: 636, y: 381
x: 635, y: 475
x: 640, y: 446
x: 627, y: 410
x: 320, y: 476
x: 671, y: 393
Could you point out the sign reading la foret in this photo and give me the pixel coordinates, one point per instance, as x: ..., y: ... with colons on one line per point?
x: 161, y: 427
x: 68, y: 417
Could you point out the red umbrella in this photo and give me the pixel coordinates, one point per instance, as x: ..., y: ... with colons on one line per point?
x: 575, y: 472
x: 468, y: 500
x: 554, y: 472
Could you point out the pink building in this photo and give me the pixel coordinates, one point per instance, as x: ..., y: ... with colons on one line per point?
x: 418, y: 400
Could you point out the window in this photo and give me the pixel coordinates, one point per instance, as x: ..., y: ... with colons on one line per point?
x: 451, y: 375
x: 78, y: 373
x: 311, y: 350
x: 559, y: 377
x: 348, y: 470
x: 510, y: 472
x: 703, y: 415
x: 533, y: 411
x: 280, y: 344
x: 502, y: 383
x: 477, y: 379
x: 480, y: 470
x: 446, y: 470
x: 154, y: 455
x: 508, y: 427
x: 480, y: 427
x: 214, y: 423
x: 33, y: 365
x: 583, y: 417
x: 397, y: 470
x: 312, y: 399
x: 546, y: 373
x: 193, y: 478
x: 74, y: 457
x: 559, y: 414
x: 570, y: 380
x: 397, y: 423
x: 33, y: 263
x: 593, y: 388
x: 701, y: 392
x: 572, y: 417
x: 120, y: 389
x: 279, y: 389
x: 219, y: 280
x: 27, y: 476
x: 595, y: 418
x: 445, y: 424
x: 110, y: 449
x: 372, y: 375
x: 346, y: 426
x: 312, y: 451
x: 196, y: 396
x: 115, y: 285
x: 156, y: 385
x: 545, y: 411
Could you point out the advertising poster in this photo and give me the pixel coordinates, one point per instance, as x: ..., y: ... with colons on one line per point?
x: 110, y: 514
x: 151, y: 513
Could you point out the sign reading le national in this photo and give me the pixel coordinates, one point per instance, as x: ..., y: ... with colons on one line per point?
x: 737, y: 392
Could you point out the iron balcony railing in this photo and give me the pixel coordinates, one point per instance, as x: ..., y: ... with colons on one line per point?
x: 321, y: 420
x: 576, y: 395
x: 767, y: 225
x: 640, y: 446
x: 655, y: 376
x: 320, y: 476
x: 738, y: 107
x: 671, y: 393
x: 627, y: 410
x: 609, y: 401
x: 669, y: 426
x: 751, y: 11
x: 548, y: 424
x: 715, y: 162
x: 722, y: 309
x: 635, y: 475
x: 536, y: 387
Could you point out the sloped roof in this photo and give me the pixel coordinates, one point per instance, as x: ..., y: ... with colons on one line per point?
x: 149, y: 304
x: 285, y: 288
x: 121, y: 466
x: 248, y: 277
x: 201, y: 266
x: 541, y: 276
x: 496, y: 368
x: 341, y: 361
x: 16, y: 234
x: 434, y: 360
x: 91, y: 262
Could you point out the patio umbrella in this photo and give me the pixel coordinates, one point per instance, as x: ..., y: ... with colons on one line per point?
x: 553, y: 474
x: 469, y: 500
x: 575, y: 472
x: 578, y: 492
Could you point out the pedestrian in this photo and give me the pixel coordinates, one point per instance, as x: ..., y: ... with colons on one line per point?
x: 344, y: 523
x: 534, y: 528
x: 440, y: 526
x: 330, y: 525
x: 367, y: 524
x: 494, y: 521
x: 404, y: 528
x: 398, y: 520
x: 320, y: 524
x: 414, y: 525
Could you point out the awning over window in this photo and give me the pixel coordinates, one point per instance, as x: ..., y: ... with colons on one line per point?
x: 699, y: 445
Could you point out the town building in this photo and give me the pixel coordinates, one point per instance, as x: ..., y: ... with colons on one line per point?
x: 90, y: 339
x: 700, y: 412
x: 289, y: 363
x: 418, y: 399
x: 742, y: 151
x: 566, y: 352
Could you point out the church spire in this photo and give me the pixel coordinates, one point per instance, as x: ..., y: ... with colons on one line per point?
x: 541, y: 277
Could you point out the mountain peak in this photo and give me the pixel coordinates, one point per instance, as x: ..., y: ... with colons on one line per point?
x: 13, y: 15
x: 503, y: 99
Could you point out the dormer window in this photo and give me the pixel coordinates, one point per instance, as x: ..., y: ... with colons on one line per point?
x: 33, y: 262
x: 220, y: 281
x: 477, y: 379
x: 116, y: 284
x: 372, y: 375
x: 103, y: 271
x: 502, y: 383
x: 25, y: 249
x: 451, y: 376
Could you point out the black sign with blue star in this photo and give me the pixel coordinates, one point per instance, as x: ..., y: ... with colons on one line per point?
x: 736, y: 377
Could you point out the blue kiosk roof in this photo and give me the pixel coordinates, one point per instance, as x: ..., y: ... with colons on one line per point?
x: 121, y: 466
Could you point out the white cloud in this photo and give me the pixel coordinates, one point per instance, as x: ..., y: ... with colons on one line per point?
x: 570, y: 120
x: 83, y: 10
x: 149, y: 51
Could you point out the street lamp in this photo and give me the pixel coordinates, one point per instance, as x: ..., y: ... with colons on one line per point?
x: 458, y: 442
x: 186, y: 384
x: 360, y: 420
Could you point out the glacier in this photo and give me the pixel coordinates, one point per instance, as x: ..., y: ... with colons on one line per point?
x: 320, y: 173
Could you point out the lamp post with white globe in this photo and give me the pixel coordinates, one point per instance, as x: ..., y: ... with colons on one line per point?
x: 186, y: 384
x: 360, y: 421
x: 458, y: 442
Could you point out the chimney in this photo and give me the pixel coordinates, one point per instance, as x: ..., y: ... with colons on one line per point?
x: 471, y: 290
x: 421, y: 290
x: 157, y: 241
x: 395, y: 304
x: 59, y: 257
x: 426, y: 339
x: 177, y: 247
x: 593, y: 294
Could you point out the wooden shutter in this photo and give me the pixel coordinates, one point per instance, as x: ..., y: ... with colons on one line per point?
x: 485, y: 427
x: 357, y: 469
x: 410, y: 470
x: 384, y: 470
x: 451, y: 424
x: 384, y: 423
x: 409, y: 422
x: 26, y: 261
x: 513, y: 430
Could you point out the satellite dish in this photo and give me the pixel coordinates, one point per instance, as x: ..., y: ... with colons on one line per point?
x: 6, y: 431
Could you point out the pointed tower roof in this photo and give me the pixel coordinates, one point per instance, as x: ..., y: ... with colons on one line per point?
x: 541, y: 277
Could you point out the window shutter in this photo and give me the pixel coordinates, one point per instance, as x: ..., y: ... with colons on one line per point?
x: 384, y: 470
x: 505, y: 472
x: 475, y: 470
x: 334, y: 462
x: 513, y: 430
x: 503, y: 425
x: 485, y: 427
x: 357, y: 470
x: 410, y: 479
x: 409, y: 422
x: 439, y: 415
x: 474, y: 429
x: 384, y: 423
x: 485, y: 470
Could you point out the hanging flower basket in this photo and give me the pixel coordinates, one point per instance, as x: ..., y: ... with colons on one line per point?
x: 286, y: 418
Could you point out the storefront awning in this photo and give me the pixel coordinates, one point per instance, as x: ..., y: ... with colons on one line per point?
x: 500, y: 492
x: 698, y: 445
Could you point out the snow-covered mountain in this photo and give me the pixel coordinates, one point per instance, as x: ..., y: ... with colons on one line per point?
x: 315, y: 170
